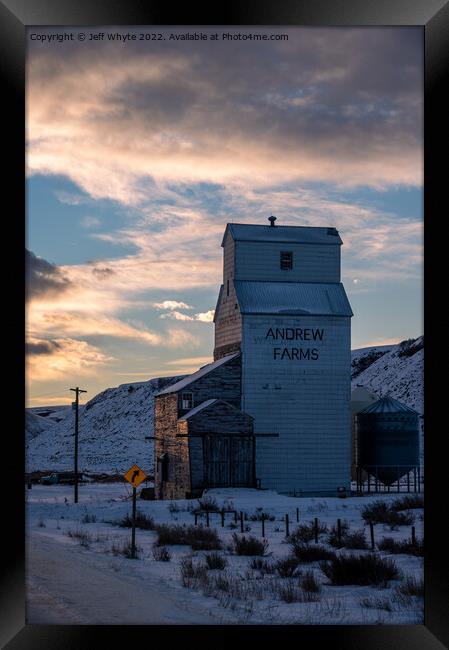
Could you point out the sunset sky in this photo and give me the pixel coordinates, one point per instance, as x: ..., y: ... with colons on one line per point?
x: 139, y: 153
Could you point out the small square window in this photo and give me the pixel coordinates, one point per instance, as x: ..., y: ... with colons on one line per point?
x: 187, y: 401
x: 286, y: 261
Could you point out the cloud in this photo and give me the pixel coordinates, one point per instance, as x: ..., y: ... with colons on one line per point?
x: 171, y: 304
x: 74, y: 324
x: 43, y: 346
x: 179, y: 338
x: 190, y: 361
x: 204, y: 317
x: 90, y: 222
x: 176, y: 315
x: 380, y: 341
x: 42, y: 277
x: 56, y: 359
x: 330, y: 105
x: 102, y: 271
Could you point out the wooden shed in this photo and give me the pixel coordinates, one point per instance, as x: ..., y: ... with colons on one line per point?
x: 203, y: 441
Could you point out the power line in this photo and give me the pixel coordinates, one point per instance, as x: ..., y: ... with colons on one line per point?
x: 77, y: 392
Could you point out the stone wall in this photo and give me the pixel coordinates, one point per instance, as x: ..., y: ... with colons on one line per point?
x: 165, y: 431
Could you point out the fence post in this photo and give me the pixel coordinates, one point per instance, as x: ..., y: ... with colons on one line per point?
x: 207, y: 518
x: 316, y: 530
x: 196, y: 518
x: 241, y: 521
x: 413, y: 535
x: 371, y: 530
x: 297, y: 515
x: 287, y: 526
x: 235, y: 516
x: 339, y: 531
x: 222, y: 518
x: 263, y: 525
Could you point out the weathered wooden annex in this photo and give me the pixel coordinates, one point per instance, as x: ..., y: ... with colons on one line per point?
x: 273, y: 410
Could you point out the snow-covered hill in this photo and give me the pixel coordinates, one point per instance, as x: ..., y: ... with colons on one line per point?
x: 396, y: 370
x: 113, y: 424
x: 112, y: 430
x: 35, y: 425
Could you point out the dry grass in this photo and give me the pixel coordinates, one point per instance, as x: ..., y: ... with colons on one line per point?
x: 367, y: 569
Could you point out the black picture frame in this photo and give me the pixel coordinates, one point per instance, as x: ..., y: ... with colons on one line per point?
x: 433, y: 16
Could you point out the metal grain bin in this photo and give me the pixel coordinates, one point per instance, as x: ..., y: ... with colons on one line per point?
x: 387, y: 439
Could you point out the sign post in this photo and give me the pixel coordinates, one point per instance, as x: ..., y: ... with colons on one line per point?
x: 134, y: 476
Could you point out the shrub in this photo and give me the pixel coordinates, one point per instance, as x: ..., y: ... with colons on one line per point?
x: 376, y: 603
x: 309, y: 583
x: 207, y: 504
x: 257, y: 564
x: 161, y: 553
x: 306, y: 532
x: 143, y: 521
x: 353, y: 569
x: 355, y: 540
x: 192, y: 575
x: 84, y: 539
x: 249, y: 545
x: 406, y: 546
x: 204, y: 539
x: 410, y: 586
x: 215, y: 561
x: 409, y: 502
x: 380, y: 512
x: 126, y: 550
x: 41, y: 523
x: 88, y: 519
x: 333, y: 534
x: 198, y: 537
x: 312, y: 553
x: 261, y: 514
x: 289, y: 592
x: 287, y: 567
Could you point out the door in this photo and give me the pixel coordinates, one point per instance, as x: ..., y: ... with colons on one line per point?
x: 228, y: 461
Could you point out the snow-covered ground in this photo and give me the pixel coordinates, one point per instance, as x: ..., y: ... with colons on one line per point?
x: 69, y: 583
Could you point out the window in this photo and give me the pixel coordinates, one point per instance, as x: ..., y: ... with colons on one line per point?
x: 286, y: 261
x: 187, y: 401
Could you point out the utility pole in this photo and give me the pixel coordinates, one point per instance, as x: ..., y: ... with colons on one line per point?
x: 77, y: 391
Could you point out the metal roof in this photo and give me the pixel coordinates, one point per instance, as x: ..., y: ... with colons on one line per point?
x: 287, y: 234
x: 182, y: 383
x: 199, y: 408
x: 388, y: 405
x: 210, y: 402
x: 296, y: 298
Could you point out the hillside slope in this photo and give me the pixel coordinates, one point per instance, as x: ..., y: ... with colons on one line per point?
x: 112, y: 430
x: 397, y: 370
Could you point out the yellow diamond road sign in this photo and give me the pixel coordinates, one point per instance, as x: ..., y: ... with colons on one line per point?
x: 135, y: 476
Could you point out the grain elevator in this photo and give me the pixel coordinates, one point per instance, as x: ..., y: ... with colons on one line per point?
x: 283, y: 306
x: 274, y: 408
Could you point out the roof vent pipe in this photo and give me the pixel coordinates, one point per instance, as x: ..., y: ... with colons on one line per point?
x: 272, y: 220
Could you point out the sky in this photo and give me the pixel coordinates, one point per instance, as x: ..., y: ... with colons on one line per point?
x: 140, y: 151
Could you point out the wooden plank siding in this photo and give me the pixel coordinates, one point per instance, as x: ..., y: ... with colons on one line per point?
x: 260, y: 261
x: 228, y: 323
x: 306, y: 402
